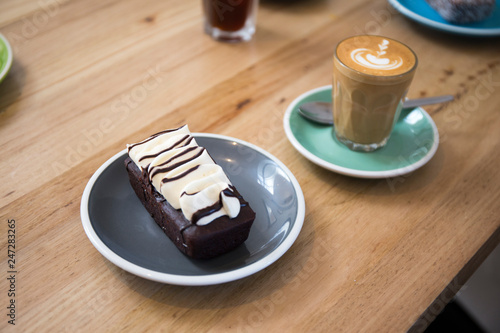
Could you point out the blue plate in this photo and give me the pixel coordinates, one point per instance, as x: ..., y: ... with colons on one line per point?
x: 421, y: 12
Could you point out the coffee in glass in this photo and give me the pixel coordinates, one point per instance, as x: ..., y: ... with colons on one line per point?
x: 371, y: 76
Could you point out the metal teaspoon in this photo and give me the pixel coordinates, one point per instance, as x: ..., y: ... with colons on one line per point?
x: 321, y: 112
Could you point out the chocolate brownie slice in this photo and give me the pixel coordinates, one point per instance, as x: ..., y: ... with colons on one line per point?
x: 208, y: 240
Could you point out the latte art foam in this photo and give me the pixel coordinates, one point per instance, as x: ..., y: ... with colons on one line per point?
x: 376, y: 55
x: 376, y: 59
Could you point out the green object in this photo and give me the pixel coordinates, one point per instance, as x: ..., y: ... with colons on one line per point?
x: 5, y: 57
x: 413, y: 142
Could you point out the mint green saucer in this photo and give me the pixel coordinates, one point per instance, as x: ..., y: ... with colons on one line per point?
x: 5, y: 57
x: 413, y: 142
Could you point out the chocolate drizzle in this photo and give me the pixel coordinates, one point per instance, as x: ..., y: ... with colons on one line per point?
x: 177, y: 144
x: 179, y: 176
x: 158, y: 168
x: 183, y: 158
x: 206, y: 211
x: 152, y: 137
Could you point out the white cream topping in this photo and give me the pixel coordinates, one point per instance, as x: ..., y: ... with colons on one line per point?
x: 186, y: 175
x: 180, y: 156
x: 374, y: 59
x: 205, y: 193
x: 157, y: 144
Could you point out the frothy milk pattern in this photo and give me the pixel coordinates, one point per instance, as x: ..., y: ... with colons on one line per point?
x: 374, y: 59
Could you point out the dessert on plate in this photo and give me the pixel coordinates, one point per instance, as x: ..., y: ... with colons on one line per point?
x: 463, y: 11
x: 188, y: 195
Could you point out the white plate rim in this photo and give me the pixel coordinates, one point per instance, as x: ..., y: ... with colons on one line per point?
x: 9, y: 58
x: 478, y: 32
x: 198, y: 280
x: 349, y: 171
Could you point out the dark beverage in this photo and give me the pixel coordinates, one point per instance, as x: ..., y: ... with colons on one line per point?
x: 230, y: 20
x: 227, y: 15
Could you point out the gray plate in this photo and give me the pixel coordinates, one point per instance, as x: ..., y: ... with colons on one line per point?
x: 121, y: 229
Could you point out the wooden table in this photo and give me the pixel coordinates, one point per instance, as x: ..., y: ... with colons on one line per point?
x: 373, y: 255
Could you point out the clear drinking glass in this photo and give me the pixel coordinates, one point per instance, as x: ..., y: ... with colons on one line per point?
x: 371, y: 76
x: 230, y: 20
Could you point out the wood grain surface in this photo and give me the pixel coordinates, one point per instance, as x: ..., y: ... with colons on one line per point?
x: 373, y: 255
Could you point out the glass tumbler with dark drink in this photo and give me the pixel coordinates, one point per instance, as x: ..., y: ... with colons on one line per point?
x: 230, y: 20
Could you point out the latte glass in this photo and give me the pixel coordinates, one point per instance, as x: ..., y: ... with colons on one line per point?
x: 371, y: 76
x: 230, y: 20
